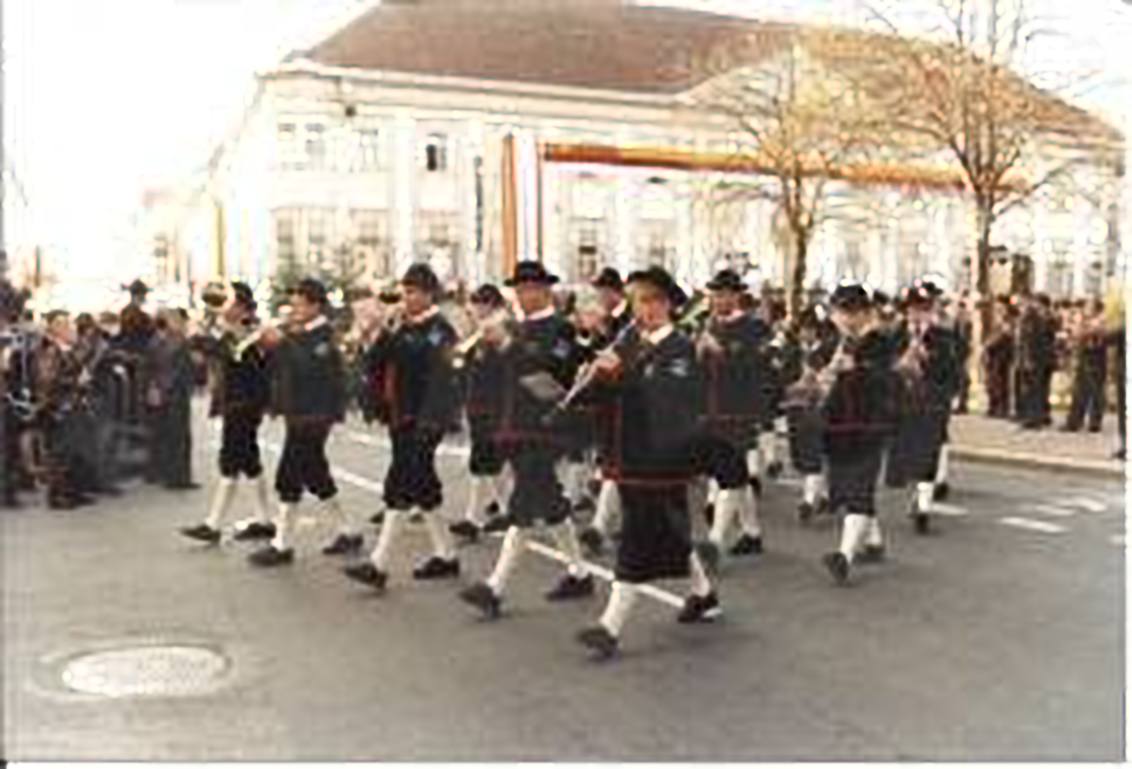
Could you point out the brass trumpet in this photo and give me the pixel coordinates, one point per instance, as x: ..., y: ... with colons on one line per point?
x: 499, y: 322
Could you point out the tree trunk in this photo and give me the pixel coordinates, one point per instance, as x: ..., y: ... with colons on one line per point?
x: 798, y: 277
x: 983, y: 318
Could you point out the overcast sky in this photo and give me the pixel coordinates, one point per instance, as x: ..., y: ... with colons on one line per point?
x: 105, y: 98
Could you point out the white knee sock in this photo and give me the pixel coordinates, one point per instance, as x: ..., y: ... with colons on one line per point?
x: 925, y: 490
x: 712, y: 491
x: 941, y: 468
x: 727, y: 507
x: 853, y: 530
x: 768, y: 445
x: 573, y: 481
x: 700, y: 584
x: 477, y: 491
x: 873, y: 536
x: 438, y: 533
x: 749, y: 513
x: 503, y: 484
x: 811, y: 488
x: 221, y: 500
x: 284, y: 521
x: 390, y: 528
x: 567, y: 538
x: 754, y: 461
x: 337, y: 517
x: 608, y: 504
x: 622, y: 597
x: 514, y: 541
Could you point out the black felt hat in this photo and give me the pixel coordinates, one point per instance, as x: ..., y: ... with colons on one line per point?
x: 660, y: 279
x: 531, y: 272
x: 917, y: 295
x: 487, y: 294
x: 727, y: 280
x: 851, y: 296
x: 608, y: 278
x: 312, y: 290
x: 244, y: 295
x: 137, y: 288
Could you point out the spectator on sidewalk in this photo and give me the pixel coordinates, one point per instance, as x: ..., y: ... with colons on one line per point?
x: 169, y: 393
x: 964, y: 331
x: 1037, y: 352
x: 1089, y: 348
x: 998, y: 361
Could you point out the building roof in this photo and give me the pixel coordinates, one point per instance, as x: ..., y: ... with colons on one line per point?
x: 601, y: 44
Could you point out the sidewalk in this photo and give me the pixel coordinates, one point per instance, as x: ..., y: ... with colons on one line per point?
x: 1000, y: 441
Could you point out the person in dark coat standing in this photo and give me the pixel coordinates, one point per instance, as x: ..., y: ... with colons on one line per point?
x: 861, y: 393
x: 59, y: 398
x: 1037, y: 358
x: 309, y: 393
x: 420, y: 404
x: 730, y: 352
x: 1090, y: 378
x: 998, y: 361
x: 651, y: 378
x: 540, y: 359
x: 481, y: 368
x: 169, y: 382
x: 1116, y: 339
x: 240, y: 396
x: 804, y: 415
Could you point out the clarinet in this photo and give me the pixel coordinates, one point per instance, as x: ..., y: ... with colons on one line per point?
x: 630, y: 354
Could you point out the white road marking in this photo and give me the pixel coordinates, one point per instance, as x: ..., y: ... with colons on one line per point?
x: 1032, y: 525
x: 1086, y: 503
x: 368, y: 484
x: 943, y: 508
x: 1054, y: 510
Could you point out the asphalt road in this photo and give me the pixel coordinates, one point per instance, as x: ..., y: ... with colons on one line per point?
x: 999, y: 637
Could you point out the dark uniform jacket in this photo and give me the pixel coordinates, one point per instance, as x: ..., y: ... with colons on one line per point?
x: 57, y: 374
x: 545, y: 344
x: 860, y: 407
x: 413, y: 368
x: 484, y: 374
x: 309, y: 375
x: 940, y: 370
x: 735, y: 388
x: 241, y: 370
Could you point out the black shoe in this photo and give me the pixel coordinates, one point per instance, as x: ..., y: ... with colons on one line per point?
x: 921, y: 520
x: 570, y: 587
x: 269, y: 556
x: 593, y: 541
x: 805, y: 512
x: 84, y: 500
x: 202, y: 532
x: 700, y: 608
x: 255, y: 530
x: 941, y: 491
x: 1094, y: 428
x: 838, y: 566
x: 709, y: 514
x: 598, y: 640
x: 747, y: 545
x: 497, y: 525
x: 367, y: 574
x: 872, y: 554
x: 1120, y: 454
x: 377, y: 518
x: 437, y: 568
x: 774, y: 470
x: 756, y: 487
x: 584, y: 505
x: 344, y: 544
x: 62, y: 503
x: 822, y: 507
x: 465, y: 530
x: 483, y: 598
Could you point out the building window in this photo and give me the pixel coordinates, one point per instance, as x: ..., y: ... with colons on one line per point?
x: 316, y: 146
x: 371, y: 241
x: 285, y: 230
x: 436, y: 152
x: 318, y: 235
x: 369, y: 149
x: 287, y: 145
x: 588, y: 252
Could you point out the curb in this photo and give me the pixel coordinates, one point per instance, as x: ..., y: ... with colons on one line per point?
x: 1110, y: 469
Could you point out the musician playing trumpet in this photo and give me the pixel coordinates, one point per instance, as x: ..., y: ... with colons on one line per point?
x: 480, y: 361
x: 412, y: 359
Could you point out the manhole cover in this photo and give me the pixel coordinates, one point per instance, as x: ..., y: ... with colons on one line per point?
x: 146, y: 671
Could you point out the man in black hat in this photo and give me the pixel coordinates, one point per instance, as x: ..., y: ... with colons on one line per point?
x: 930, y: 352
x: 541, y: 349
x: 611, y: 291
x: 481, y: 366
x: 652, y: 377
x: 860, y: 396
x: 240, y: 397
x: 730, y: 353
x: 309, y: 393
x: 421, y: 403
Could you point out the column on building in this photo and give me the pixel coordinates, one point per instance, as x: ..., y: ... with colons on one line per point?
x: 403, y: 181
x: 473, y: 255
x: 1039, y: 249
x: 1082, y: 250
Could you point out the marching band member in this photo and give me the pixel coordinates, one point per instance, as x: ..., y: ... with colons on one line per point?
x: 310, y: 396
x: 861, y: 391
x: 483, y: 373
x: 931, y: 362
x: 730, y: 355
x: 420, y: 406
x: 652, y: 377
x: 802, y: 404
x: 240, y: 397
x: 541, y: 355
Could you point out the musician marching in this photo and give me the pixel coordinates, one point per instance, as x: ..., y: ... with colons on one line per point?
x: 241, y: 390
x: 650, y: 376
x: 412, y: 359
x: 541, y: 355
